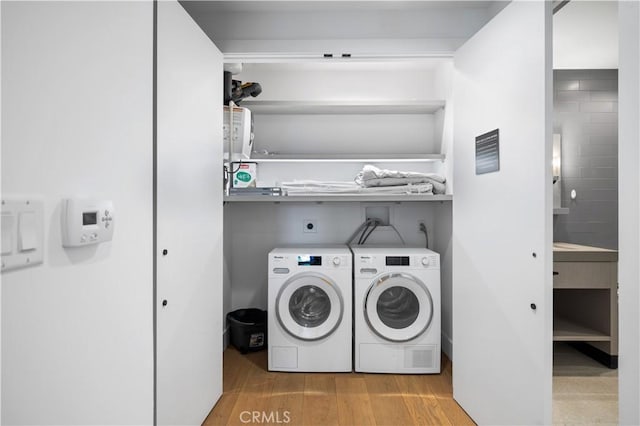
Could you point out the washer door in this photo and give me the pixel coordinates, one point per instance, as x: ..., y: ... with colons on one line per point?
x: 398, y: 307
x: 309, y: 306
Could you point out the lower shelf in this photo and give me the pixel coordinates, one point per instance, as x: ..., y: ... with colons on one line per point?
x: 569, y: 331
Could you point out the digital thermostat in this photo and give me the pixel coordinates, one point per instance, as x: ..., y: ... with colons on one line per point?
x: 86, y: 221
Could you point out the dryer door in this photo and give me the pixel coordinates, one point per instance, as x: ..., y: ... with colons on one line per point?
x: 398, y: 307
x: 309, y: 306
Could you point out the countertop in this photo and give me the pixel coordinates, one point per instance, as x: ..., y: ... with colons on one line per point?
x: 567, y: 252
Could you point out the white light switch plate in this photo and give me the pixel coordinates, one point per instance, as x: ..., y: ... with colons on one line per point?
x: 22, y: 232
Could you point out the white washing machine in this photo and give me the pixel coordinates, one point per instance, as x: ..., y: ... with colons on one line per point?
x: 310, y: 309
x: 396, y: 310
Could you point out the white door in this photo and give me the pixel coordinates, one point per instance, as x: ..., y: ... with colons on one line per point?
x: 188, y: 253
x: 502, y: 221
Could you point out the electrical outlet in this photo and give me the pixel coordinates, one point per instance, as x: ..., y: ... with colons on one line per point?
x: 420, y: 225
x: 309, y: 226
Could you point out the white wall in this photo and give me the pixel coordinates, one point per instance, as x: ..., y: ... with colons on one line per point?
x: 77, y: 120
x: 585, y: 35
x: 388, y: 134
x: 443, y: 85
x: 344, y: 80
x: 629, y: 216
x: 226, y: 275
x: 441, y: 242
x: 339, y: 133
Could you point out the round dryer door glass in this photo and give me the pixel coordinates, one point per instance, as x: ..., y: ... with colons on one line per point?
x: 309, y: 306
x: 398, y: 307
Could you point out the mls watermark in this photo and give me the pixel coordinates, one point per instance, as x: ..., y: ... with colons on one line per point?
x: 271, y: 417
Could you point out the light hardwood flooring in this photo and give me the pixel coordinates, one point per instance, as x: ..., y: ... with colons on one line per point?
x: 332, y: 398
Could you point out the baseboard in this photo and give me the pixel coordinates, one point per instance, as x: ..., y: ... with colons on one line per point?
x: 610, y: 361
x: 447, y: 345
x: 225, y: 338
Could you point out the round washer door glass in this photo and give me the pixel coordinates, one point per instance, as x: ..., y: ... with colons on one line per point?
x: 398, y: 307
x: 309, y: 306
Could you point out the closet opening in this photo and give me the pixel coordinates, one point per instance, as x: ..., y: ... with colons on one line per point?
x: 585, y: 91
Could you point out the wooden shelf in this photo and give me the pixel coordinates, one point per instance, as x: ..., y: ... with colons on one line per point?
x: 335, y: 198
x: 345, y: 158
x: 343, y: 107
x: 568, y: 331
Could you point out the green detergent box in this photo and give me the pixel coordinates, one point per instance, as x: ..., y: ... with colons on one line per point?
x: 246, y: 175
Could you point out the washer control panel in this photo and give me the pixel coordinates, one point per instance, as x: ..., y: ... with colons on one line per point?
x: 284, y: 263
x: 85, y: 221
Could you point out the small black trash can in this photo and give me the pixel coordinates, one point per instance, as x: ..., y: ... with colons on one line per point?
x: 248, y: 328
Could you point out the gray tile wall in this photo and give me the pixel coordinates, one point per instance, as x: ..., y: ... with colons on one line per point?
x: 586, y: 115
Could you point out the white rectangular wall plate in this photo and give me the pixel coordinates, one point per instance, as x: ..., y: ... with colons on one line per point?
x: 22, y: 232
x: 85, y: 221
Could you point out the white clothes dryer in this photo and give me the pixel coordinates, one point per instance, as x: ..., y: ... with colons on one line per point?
x: 396, y: 310
x: 310, y: 309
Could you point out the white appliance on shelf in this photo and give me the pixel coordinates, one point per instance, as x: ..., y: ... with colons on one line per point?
x: 242, y: 131
x: 310, y: 314
x: 396, y: 310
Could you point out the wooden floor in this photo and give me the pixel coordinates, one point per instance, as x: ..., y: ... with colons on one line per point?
x: 253, y: 395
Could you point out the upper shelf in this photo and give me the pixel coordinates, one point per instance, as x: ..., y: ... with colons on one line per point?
x: 343, y: 107
x: 345, y: 158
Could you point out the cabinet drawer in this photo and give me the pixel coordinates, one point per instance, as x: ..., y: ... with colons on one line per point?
x: 584, y: 274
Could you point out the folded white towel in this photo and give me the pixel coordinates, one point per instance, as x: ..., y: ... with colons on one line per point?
x: 371, y: 176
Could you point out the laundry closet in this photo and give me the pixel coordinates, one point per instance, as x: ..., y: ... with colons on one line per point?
x: 405, y: 88
x: 321, y: 117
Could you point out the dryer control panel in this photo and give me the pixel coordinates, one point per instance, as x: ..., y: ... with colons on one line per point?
x: 371, y: 262
x: 417, y: 261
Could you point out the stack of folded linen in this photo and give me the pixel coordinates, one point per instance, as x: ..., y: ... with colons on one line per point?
x: 371, y: 176
x: 311, y: 187
x: 371, y: 180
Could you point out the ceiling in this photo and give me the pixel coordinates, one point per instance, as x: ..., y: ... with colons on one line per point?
x: 585, y: 32
x: 585, y: 35
x: 211, y: 6
x: 225, y: 21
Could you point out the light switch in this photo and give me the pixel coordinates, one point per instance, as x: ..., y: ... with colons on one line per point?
x: 27, y: 231
x: 7, y: 233
x: 22, y: 232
